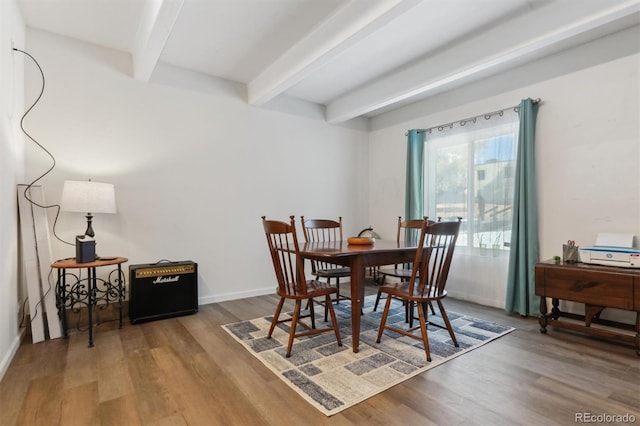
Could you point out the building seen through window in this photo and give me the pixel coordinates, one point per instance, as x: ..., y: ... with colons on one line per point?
x: 469, y: 172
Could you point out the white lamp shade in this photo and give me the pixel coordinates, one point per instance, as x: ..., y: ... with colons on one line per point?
x: 88, y: 197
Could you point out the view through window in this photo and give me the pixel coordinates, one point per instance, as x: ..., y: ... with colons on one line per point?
x: 469, y: 172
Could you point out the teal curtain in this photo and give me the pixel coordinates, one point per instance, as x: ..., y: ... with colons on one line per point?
x: 524, y: 250
x: 414, y: 197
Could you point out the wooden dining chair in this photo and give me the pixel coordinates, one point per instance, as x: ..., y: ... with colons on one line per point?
x: 408, y: 230
x: 292, y: 283
x: 427, y: 282
x: 326, y: 231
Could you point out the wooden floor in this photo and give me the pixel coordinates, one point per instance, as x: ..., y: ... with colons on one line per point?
x: 188, y: 371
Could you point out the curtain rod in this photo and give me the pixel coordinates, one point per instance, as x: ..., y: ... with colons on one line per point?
x: 464, y: 121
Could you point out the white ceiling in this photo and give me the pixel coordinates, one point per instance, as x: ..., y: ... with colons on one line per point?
x: 356, y: 57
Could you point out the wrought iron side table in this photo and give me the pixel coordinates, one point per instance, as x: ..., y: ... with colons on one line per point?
x: 90, y: 291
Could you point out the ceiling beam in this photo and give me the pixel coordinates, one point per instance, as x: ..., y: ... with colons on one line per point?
x: 155, y: 27
x: 349, y: 24
x: 476, y: 59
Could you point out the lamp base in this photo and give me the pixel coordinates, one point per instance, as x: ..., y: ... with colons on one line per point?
x: 89, y: 230
x: 85, y: 249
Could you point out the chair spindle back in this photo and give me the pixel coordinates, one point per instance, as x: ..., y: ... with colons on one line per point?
x: 285, y: 254
x: 322, y: 231
x: 438, y: 241
x: 411, y: 228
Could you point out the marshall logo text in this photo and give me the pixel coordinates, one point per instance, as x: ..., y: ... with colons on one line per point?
x: 162, y: 280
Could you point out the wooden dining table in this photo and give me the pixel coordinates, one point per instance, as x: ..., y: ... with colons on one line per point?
x: 358, y: 257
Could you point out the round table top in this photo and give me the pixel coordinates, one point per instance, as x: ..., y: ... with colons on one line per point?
x: 101, y: 261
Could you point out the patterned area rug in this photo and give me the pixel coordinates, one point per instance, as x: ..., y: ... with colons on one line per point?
x: 333, y: 378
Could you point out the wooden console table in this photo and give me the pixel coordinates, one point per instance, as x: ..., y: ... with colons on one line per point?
x: 90, y: 291
x: 598, y: 287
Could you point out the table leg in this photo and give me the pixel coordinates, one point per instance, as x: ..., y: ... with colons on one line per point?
x: 357, y: 290
x: 120, y: 292
x: 542, y: 318
x: 555, y: 310
x: 92, y: 299
x: 62, y: 298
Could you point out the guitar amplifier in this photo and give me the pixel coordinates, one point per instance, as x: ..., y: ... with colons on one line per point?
x: 162, y: 290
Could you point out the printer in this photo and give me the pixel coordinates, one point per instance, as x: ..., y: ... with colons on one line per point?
x: 612, y: 250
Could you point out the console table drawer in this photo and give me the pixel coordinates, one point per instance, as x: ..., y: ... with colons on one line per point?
x: 593, y: 288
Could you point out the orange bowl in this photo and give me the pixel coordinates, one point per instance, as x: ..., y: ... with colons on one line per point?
x: 360, y: 240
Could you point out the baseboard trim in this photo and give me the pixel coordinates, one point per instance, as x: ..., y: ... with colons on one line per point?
x: 13, y: 349
x: 478, y: 300
x: 236, y: 295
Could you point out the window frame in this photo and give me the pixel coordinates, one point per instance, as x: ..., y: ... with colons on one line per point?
x: 469, y: 137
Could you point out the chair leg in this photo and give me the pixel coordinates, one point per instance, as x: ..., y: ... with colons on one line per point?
x: 422, y: 317
x: 334, y: 320
x: 425, y: 308
x: 376, y: 275
x: 312, y: 313
x: 326, y: 308
x: 383, y: 320
x: 445, y: 318
x: 375, y: 307
x: 275, y: 317
x: 409, y: 317
x: 338, y: 287
x: 294, y: 324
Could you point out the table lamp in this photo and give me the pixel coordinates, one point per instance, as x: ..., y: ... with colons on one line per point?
x: 88, y: 197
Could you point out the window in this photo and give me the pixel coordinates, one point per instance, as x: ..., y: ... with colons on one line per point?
x: 469, y: 172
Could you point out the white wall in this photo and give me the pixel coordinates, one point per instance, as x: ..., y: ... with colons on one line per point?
x: 194, y: 166
x: 11, y: 170
x: 587, y: 147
